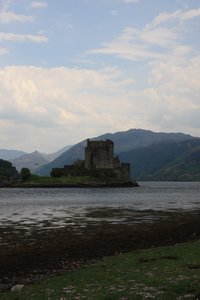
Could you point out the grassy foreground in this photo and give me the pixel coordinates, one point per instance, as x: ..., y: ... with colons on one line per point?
x: 171, y: 272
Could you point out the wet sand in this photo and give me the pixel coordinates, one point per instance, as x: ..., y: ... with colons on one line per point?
x: 30, y: 251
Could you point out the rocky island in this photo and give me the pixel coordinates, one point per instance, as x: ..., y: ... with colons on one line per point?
x: 99, y: 169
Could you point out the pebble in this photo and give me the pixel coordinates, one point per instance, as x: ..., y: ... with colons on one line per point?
x: 17, y: 288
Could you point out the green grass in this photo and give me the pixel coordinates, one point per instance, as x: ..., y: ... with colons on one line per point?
x: 47, y: 180
x: 159, y: 273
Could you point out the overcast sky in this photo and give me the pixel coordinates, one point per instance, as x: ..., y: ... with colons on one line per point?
x: 72, y: 69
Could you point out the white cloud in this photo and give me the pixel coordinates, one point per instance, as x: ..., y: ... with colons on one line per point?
x: 144, y: 43
x: 161, y: 36
x: 177, y: 15
x: 6, y: 36
x: 130, y: 1
x: 60, y: 106
x: 190, y: 14
x: 38, y: 4
x: 134, y: 44
x: 60, y: 101
x: 3, y: 51
x: 164, y: 17
x: 114, y: 12
x: 177, y: 90
x: 5, y: 5
x: 9, y: 16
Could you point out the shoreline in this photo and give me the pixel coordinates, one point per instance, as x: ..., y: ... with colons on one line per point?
x: 72, y: 185
x: 27, y: 256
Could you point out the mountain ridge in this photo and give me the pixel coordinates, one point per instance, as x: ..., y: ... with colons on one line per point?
x: 153, y: 155
x: 29, y: 160
x: 123, y: 142
x: 7, y: 154
x: 166, y: 161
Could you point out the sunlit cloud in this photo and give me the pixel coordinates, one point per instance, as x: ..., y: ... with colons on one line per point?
x: 177, y: 15
x: 38, y: 4
x: 160, y: 36
x: 114, y: 12
x: 5, y: 5
x: 67, y: 101
x: 190, y: 14
x: 64, y: 101
x: 6, y: 36
x: 130, y: 1
x: 134, y: 44
x: 9, y: 16
x: 142, y: 72
x: 3, y: 51
x: 142, y: 43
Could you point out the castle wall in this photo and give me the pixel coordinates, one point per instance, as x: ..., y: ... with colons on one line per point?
x: 125, y: 170
x: 99, y: 155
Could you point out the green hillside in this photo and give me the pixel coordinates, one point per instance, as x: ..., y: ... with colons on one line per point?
x: 166, y: 161
x: 123, y: 141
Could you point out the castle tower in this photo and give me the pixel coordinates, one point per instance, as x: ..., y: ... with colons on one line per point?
x: 99, y: 154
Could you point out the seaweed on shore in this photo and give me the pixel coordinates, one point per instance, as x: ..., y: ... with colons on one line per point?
x: 36, y: 252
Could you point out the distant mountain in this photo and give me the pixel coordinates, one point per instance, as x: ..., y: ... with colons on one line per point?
x: 68, y: 157
x: 29, y: 160
x: 52, y: 156
x: 123, y: 141
x: 10, y: 154
x: 35, y: 159
x: 167, y: 161
x: 137, y: 138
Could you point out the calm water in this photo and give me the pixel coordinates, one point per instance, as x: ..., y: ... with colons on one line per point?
x: 30, y: 206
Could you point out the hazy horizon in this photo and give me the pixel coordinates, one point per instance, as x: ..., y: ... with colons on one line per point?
x: 67, y: 145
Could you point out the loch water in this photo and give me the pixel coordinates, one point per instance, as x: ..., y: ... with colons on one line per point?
x: 61, y: 205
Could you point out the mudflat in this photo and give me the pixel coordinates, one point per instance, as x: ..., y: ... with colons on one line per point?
x: 29, y: 253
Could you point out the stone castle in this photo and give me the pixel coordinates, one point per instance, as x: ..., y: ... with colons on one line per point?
x: 99, y: 157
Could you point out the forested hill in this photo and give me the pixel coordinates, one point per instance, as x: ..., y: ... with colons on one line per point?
x: 166, y: 161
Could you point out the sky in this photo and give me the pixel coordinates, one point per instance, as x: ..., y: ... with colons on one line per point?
x: 74, y: 69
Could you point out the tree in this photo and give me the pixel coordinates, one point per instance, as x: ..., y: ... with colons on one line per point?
x: 25, y: 173
x: 7, y: 170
